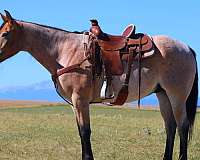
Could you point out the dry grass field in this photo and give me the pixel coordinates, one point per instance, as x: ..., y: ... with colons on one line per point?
x: 48, y: 132
x: 25, y: 103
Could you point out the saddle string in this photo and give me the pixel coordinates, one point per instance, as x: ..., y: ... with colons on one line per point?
x: 139, y: 73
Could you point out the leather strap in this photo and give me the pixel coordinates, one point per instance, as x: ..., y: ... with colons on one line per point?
x: 131, y: 56
x: 68, y: 69
x: 139, y: 72
x: 123, y: 93
x: 88, y: 48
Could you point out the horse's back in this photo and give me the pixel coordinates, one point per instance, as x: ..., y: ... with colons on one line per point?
x: 170, y: 45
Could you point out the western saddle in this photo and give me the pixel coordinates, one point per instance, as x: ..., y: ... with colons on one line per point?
x: 129, y: 46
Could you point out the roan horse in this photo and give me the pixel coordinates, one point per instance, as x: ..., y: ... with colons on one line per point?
x: 172, y: 69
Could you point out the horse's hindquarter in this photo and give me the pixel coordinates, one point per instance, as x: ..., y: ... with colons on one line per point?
x: 172, y: 67
x: 176, y: 66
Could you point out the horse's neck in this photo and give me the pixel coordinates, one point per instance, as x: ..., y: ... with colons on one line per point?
x: 42, y: 43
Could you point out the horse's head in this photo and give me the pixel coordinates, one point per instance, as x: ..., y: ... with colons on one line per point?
x: 9, y: 31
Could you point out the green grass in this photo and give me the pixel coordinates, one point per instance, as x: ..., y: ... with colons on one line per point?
x: 50, y: 133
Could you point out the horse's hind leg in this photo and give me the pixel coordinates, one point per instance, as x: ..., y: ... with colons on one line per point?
x: 170, y: 123
x: 180, y: 115
x: 81, y: 110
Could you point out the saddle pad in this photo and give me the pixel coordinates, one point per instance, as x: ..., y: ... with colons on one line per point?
x: 144, y: 55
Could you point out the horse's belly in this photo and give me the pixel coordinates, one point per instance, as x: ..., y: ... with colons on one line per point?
x: 148, y: 83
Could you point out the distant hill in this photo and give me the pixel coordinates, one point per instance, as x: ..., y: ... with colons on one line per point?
x: 45, y: 91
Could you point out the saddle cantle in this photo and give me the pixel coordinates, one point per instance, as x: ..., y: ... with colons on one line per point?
x: 129, y: 31
x: 114, y: 48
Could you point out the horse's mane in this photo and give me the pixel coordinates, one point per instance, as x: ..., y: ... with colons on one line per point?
x: 50, y: 27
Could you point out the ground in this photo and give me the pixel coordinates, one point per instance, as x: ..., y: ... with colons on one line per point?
x: 47, y: 131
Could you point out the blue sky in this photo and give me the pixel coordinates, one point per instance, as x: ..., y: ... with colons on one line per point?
x: 178, y: 19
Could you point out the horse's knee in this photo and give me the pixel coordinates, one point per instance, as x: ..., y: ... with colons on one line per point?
x: 170, y: 126
x: 180, y: 116
x: 81, y: 109
x: 183, y: 127
x: 85, y: 132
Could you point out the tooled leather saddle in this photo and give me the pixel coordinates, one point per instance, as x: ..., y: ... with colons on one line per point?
x: 129, y: 46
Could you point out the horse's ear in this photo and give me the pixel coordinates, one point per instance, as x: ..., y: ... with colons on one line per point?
x: 4, y: 17
x: 8, y: 15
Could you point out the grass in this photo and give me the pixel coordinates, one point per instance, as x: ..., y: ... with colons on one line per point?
x: 50, y: 133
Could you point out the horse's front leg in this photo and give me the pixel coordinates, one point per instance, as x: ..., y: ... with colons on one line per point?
x: 81, y: 110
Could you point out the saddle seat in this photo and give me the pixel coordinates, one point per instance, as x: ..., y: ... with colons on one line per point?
x: 113, y: 42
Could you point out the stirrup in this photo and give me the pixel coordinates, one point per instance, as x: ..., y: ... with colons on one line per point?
x: 106, y: 91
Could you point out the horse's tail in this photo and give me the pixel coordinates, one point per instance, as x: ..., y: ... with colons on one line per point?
x: 191, y: 103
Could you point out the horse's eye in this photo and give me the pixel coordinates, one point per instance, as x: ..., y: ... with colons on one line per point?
x: 5, y: 34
